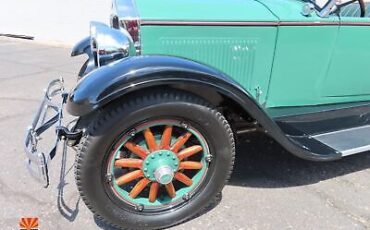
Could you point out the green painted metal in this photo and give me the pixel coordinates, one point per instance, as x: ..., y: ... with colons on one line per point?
x: 312, y: 63
x: 301, y: 65
x: 159, y: 159
x: 348, y: 77
x: 290, y: 11
x: 162, y: 200
x: 205, y: 10
x: 244, y: 53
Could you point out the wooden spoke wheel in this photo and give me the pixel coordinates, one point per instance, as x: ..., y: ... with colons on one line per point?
x: 158, y: 163
x: 154, y: 159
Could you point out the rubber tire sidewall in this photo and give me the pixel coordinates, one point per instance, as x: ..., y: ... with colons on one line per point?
x: 114, y: 121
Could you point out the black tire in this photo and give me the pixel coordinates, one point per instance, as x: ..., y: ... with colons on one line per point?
x: 119, y: 117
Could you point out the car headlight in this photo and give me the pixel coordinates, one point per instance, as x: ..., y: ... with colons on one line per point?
x: 108, y: 44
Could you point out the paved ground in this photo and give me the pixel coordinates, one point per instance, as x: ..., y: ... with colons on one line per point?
x: 269, y: 189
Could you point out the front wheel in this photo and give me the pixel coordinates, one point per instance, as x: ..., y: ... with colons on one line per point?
x: 155, y: 160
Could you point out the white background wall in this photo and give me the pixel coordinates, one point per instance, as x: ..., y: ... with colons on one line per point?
x: 52, y: 21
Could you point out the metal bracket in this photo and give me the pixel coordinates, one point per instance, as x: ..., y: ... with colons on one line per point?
x: 37, y: 161
x: 64, y: 133
x: 259, y: 92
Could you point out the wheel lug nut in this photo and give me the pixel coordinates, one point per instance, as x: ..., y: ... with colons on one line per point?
x: 153, y: 156
x: 186, y: 197
x: 168, y: 154
x: 145, y: 170
x: 184, y: 125
x: 109, y: 177
x: 133, y: 132
x: 139, y: 207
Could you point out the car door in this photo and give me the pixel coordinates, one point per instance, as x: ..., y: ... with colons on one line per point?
x: 348, y: 75
x: 303, y: 53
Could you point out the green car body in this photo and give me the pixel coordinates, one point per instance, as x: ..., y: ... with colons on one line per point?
x: 287, y: 64
x: 285, y: 59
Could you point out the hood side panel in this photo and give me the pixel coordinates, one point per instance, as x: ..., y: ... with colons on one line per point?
x: 243, y: 53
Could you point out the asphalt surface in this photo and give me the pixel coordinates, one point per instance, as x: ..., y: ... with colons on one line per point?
x: 269, y: 189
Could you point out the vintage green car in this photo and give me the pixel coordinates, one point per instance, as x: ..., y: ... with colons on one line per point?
x: 170, y: 85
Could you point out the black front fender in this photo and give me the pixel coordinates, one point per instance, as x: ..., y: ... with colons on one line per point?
x: 113, y: 81
x: 116, y: 79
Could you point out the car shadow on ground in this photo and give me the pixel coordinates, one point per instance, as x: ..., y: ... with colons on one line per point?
x: 262, y: 163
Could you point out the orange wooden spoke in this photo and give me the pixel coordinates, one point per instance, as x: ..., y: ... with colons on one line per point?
x: 129, y: 177
x: 170, y: 190
x: 183, y: 178
x: 180, y: 142
x: 136, y: 149
x: 153, y: 191
x: 189, y: 151
x: 129, y: 163
x: 166, y: 138
x: 139, y: 187
x: 150, y: 140
x: 190, y: 165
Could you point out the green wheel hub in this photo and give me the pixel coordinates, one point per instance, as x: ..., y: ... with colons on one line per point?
x: 161, y: 162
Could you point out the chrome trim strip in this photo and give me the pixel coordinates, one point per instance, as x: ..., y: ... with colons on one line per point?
x: 341, y: 131
x: 355, y: 24
x: 356, y: 150
x: 235, y: 23
x: 316, y: 23
x: 207, y: 23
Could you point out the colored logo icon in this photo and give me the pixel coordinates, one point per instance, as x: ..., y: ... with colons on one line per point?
x: 29, y: 223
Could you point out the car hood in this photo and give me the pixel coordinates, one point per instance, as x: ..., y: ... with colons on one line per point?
x: 204, y: 10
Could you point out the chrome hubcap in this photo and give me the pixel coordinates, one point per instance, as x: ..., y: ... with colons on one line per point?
x: 164, y: 175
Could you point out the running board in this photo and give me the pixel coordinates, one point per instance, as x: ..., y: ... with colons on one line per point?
x: 328, y: 132
x: 347, y: 141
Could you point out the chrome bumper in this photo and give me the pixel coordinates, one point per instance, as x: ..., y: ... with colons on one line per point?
x: 52, y: 104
